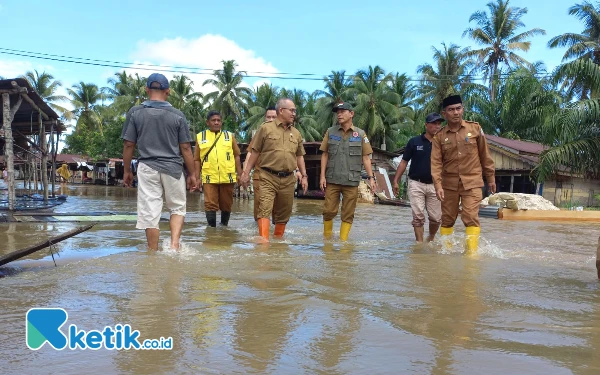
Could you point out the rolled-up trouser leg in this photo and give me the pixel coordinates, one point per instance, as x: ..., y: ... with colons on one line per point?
x: 417, y: 195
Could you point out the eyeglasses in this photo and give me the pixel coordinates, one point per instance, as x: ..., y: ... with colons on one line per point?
x: 293, y: 110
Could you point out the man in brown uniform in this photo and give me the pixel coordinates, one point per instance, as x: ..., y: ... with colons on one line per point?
x: 345, y: 149
x: 279, y: 146
x: 459, y: 160
x: 270, y: 115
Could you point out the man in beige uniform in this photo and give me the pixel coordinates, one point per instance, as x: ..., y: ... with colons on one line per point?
x: 279, y: 146
x: 459, y: 160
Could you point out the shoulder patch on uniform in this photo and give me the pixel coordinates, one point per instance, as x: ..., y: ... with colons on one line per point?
x: 366, y: 139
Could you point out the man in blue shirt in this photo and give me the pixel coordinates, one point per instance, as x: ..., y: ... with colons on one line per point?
x: 421, y: 190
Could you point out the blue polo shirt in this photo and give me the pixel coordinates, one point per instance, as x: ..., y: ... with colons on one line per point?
x: 418, y: 149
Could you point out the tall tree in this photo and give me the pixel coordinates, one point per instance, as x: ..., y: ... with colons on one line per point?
x: 581, y: 49
x: 47, y: 87
x: 450, y: 74
x: 336, y: 90
x: 498, y: 32
x: 522, y: 105
x: 84, y: 99
x: 228, y: 98
x: 262, y: 97
x: 306, y: 114
x: 376, y: 109
x: 126, y: 91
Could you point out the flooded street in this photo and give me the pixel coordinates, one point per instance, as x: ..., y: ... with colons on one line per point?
x: 529, y: 304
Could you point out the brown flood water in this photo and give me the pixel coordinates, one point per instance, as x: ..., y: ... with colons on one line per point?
x: 529, y: 304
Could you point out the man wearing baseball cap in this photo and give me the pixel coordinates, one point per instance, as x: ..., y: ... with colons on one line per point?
x: 162, y: 136
x: 421, y: 190
x: 346, y: 149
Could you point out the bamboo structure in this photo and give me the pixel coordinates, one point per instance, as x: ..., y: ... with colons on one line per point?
x: 21, y: 103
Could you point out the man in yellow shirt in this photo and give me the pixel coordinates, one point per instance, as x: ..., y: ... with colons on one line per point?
x: 217, y: 164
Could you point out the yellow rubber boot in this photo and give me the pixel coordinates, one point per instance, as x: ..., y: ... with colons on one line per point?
x: 472, y: 239
x: 345, y: 230
x: 446, y: 232
x: 327, y: 228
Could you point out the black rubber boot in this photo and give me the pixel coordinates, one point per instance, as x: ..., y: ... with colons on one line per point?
x: 211, y: 217
x: 225, y: 217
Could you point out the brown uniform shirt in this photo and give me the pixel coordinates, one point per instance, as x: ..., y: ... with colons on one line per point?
x: 461, y: 155
x: 278, y: 146
x: 366, y: 146
x: 234, y: 146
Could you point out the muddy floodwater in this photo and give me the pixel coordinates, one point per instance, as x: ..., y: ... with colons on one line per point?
x: 528, y: 304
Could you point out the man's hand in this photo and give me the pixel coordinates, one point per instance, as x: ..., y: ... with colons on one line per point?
x: 440, y: 194
x: 191, y: 183
x: 299, y: 176
x: 304, y: 183
x: 127, y: 179
x: 245, y: 179
x: 373, y: 185
x: 395, y: 188
x: 323, y: 183
x: 492, y: 187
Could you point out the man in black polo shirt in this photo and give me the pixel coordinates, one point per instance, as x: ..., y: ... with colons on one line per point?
x: 421, y: 191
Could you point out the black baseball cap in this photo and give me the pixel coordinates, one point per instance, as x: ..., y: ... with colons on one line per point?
x: 433, y: 117
x: 158, y: 78
x: 342, y: 105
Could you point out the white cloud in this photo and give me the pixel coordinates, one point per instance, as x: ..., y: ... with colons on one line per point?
x: 14, y: 68
x: 205, y: 52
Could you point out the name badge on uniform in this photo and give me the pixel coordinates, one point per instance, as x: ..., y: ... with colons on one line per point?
x: 419, y: 148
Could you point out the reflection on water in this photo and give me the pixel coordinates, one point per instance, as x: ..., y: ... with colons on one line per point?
x: 377, y: 304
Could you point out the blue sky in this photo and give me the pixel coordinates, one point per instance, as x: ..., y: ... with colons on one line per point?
x: 293, y: 37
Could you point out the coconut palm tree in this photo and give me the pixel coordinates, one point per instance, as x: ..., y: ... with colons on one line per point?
x: 306, y: 122
x: 451, y: 73
x: 228, y: 98
x: 84, y: 98
x: 264, y: 96
x: 523, y: 103
x: 336, y: 91
x: 46, y: 87
x: 574, y: 134
x: 581, y: 48
x: 182, y: 91
x: 126, y: 91
x: 501, y: 39
x: 376, y: 110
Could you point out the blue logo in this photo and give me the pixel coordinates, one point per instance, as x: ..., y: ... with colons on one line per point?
x: 43, y: 325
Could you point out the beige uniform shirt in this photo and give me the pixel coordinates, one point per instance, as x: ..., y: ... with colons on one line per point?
x: 278, y: 146
x: 461, y: 155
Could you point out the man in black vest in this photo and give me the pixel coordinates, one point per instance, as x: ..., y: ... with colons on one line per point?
x: 345, y: 149
x: 421, y: 190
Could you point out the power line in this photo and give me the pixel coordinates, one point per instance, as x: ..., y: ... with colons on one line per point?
x: 210, y: 72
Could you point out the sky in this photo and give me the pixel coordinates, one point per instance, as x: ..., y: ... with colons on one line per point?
x: 302, y: 37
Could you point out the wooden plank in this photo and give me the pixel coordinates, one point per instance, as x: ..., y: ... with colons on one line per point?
x: 543, y: 215
x: 32, y: 249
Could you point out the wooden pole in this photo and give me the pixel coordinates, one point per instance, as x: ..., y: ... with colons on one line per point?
x: 7, y: 115
x: 34, y: 171
x: 44, y: 162
x: 53, y: 154
x: 32, y: 249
